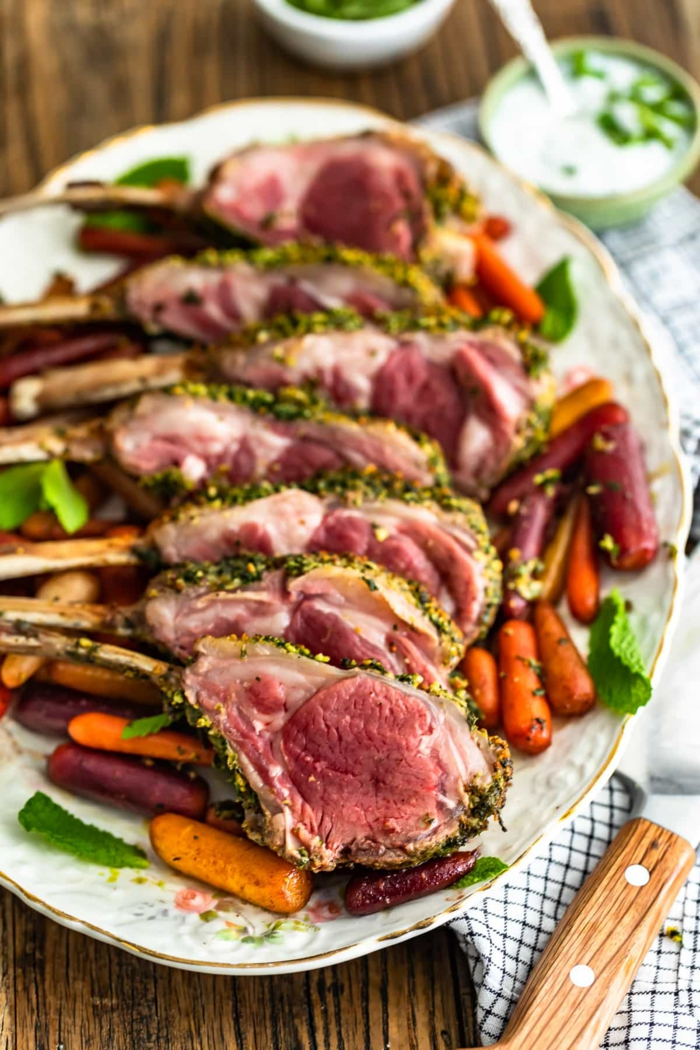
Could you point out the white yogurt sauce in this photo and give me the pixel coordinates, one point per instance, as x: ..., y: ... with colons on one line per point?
x: 574, y: 155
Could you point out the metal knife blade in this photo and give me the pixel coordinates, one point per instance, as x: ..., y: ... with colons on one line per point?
x: 662, y: 759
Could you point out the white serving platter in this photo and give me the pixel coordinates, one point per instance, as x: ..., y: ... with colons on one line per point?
x: 165, y: 917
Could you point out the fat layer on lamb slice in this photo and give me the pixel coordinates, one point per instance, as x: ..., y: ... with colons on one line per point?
x: 428, y: 535
x: 381, y: 191
x: 483, y: 392
x: 340, y: 767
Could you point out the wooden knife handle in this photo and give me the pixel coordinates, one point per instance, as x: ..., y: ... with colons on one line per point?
x: 589, y: 964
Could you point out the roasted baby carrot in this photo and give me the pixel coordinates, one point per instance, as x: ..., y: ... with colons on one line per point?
x: 99, y: 681
x: 621, y: 498
x: 463, y: 298
x: 104, y: 732
x: 504, y: 284
x: 233, y: 864
x: 480, y: 670
x: 578, y: 402
x: 525, y: 713
x: 570, y: 688
x: 556, y: 557
x: 583, y: 572
x: 560, y: 455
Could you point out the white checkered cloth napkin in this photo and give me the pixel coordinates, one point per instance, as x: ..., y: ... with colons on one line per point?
x: 505, y: 935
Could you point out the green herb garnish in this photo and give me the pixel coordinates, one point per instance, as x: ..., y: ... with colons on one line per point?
x: 29, y: 487
x: 145, y: 726
x: 485, y: 868
x: 70, y: 834
x: 557, y: 293
x: 354, y: 10
x: 582, y: 66
x: 150, y: 173
x: 614, y: 659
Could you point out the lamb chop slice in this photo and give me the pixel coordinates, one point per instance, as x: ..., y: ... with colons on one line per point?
x: 209, y: 297
x: 428, y: 535
x: 189, y: 435
x: 381, y: 191
x: 342, y: 607
x: 333, y: 767
x: 482, y: 390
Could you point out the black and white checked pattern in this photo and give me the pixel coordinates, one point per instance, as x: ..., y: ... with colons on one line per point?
x: 505, y: 935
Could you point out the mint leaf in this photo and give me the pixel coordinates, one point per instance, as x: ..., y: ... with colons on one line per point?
x: 60, y: 494
x: 557, y: 292
x: 35, y: 486
x: 150, y: 173
x: 145, y: 726
x: 485, y: 868
x: 614, y: 659
x: 70, y: 834
x: 20, y: 493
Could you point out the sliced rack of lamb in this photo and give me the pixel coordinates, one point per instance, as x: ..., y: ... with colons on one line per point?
x: 191, y: 434
x: 481, y: 389
x: 207, y: 298
x: 381, y: 191
x: 333, y: 767
x: 428, y: 535
x: 341, y: 607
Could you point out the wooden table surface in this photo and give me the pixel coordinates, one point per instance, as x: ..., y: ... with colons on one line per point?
x: 71, y: 73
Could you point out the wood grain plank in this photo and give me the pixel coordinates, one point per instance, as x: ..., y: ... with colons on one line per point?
x: 59, y: 987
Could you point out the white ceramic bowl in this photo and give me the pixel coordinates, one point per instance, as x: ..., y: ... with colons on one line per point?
x: 344, y: 44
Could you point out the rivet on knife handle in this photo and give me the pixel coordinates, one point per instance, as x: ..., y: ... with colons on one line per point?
x: 588, y: 966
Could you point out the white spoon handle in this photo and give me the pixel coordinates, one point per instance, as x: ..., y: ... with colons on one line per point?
x: 526, y: 29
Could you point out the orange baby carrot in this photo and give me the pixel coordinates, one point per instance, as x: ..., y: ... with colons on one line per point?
x: 583, y: 573
x: 577, y: 403
x: 480, y: 670
x: 525, y: 713
x: 463, y: 298
x: 104, y: 732
x: 235, y: 865
x: 504, y: 284
x: 570, y: 688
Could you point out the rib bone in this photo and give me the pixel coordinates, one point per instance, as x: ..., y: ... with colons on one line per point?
x: 52, y: 645
x: 33, y: 559
x: 94, y: 382
x: 58, y: 437
x: 98, y: 196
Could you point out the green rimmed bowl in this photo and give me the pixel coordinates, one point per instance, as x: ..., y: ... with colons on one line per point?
x: 601, y: 212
